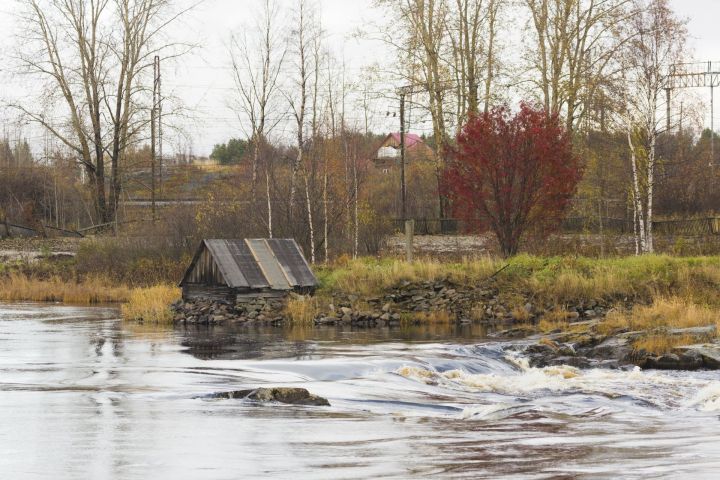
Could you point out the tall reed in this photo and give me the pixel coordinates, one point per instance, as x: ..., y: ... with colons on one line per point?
x: 93, y: 290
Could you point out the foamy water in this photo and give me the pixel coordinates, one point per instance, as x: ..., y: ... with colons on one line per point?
x: 84, y: 396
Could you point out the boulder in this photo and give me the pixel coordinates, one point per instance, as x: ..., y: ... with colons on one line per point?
x: 709, y: 354
x: 672, y: 361
x: 614, y: 348
x: 287, y: 395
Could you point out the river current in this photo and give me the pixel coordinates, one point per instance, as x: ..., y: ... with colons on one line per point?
x: 85, y: 396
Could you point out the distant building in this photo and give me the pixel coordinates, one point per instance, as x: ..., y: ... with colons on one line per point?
x: 387, y: 156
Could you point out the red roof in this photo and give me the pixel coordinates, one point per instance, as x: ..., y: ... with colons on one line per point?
x: 411, y: 139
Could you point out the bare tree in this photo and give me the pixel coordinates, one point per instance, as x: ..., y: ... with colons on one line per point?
x: 575, y: 43
x: 257, y: 60
x: 472, y: 32
x: 418, y: 31
x: 94, y: 55
x: 659, y: 42
x: 304, y: 36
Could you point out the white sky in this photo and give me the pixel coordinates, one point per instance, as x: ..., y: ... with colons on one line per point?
x: 202, y: 80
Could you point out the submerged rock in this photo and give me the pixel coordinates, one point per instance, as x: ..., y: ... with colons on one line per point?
x: 288, y: 395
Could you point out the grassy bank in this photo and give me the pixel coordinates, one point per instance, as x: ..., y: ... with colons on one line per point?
x: 655, y: 295
x: 559, y: 280
x: 652, y: 294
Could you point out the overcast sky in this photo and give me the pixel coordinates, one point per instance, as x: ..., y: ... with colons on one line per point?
x: 202, y: 79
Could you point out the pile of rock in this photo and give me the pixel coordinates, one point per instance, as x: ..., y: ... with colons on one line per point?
x: 212, y: 312
x: 591, y: 349
x: 404, y: 302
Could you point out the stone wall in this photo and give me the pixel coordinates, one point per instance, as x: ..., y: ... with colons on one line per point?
x: 210, y: 312
x: 406, y: 303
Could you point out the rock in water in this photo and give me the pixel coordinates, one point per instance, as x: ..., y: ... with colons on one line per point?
x: 288, y: 395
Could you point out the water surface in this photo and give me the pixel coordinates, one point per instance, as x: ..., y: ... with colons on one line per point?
x: 83, y: 395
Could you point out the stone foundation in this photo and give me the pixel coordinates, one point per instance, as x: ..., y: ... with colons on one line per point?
x: 212, y: 312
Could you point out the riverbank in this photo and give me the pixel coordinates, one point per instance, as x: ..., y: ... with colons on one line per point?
x: 643, y: 311
x: 651, y: 311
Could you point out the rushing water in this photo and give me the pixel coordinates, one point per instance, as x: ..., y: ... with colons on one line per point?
x: 84, y: 396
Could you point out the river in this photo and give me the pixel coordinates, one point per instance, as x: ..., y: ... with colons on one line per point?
x: 85, y: 396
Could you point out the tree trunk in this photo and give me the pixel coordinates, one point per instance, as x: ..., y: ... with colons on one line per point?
x: 310, y: 219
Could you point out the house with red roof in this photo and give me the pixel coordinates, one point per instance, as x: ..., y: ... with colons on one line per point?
x: 387, y: 155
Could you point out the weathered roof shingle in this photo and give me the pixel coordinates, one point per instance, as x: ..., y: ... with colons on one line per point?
x: 259, y: 263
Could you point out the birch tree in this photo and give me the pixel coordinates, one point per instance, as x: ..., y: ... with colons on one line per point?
x: 94, y: 57
x: 304, y: 36
x: 659, y: 40
x: 257, y: 59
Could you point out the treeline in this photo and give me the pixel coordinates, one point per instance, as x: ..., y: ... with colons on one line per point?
x: 310, y: 125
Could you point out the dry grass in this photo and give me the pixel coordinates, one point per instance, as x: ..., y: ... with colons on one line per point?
x: 554, y: 320
x: 17, y: 287
x: 520, y: 314
x: 671, y: 312
x: 151, y: 305
x: 436, y: 317
x: 302, y: 310
x: 442, y: 317
x: 662, y: 344
x: 371, y: 276
x: 658, y: 318
x: 569, y: 286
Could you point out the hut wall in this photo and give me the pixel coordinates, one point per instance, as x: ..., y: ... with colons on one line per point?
x: 192, y: 291
x: 205, y: 271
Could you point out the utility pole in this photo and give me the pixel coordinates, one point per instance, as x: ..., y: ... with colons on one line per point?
x: 152, y: 162
x: 403, y: 191
x: 712, y: 125
x: 158, y: 79
x: 689, y: 75
x: 154, y: 132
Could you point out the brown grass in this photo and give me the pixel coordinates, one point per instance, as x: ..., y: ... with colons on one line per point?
x: 661, y: 344
x: 554, y: 320
x: 302, y: 310
x: 151, y: 305
x: 520, y: 314
x: 435, y: 317
x: 17, y: 287
x: 673, y: 312
x: 656, y: 320
x: 370, y: 276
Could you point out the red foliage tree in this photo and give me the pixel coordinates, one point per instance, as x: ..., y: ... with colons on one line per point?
x: 512, y: 174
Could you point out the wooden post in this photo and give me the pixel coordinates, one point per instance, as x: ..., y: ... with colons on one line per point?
x: 403, y: 191
x: 409, y: 233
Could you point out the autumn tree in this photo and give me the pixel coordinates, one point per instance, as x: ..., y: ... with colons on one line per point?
x: 257, y: 58
x: 95, y: 59
x: 575, y: 43
x: 658, y: 42
x: 512, y: 174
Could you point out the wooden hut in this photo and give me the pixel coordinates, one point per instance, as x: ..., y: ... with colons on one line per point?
x: 243, y: 270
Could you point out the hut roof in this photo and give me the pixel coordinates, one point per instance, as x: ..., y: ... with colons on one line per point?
x: 258, y: 263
